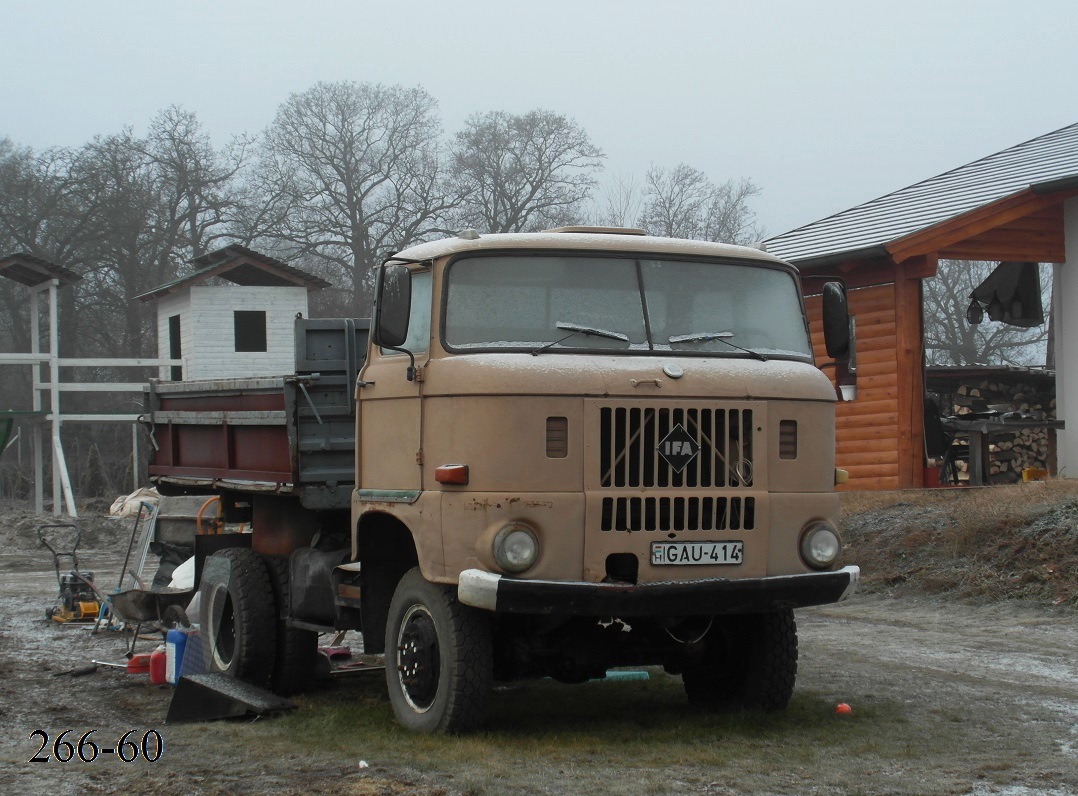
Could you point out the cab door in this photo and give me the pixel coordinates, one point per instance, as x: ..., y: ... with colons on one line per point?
x: 389, y: 407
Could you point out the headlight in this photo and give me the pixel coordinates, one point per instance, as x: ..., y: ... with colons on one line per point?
x: 515, y: 548
x: 820, y: 545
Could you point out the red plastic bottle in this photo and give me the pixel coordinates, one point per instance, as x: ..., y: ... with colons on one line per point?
x: 157, y: 666
x: 139, y: 664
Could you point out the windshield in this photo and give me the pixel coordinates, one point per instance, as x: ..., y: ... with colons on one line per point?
x: 563, y: 302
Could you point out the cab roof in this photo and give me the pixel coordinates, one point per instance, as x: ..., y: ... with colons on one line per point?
x: 582, y: 239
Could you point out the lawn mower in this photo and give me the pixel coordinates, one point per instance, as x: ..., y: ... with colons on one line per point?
x: 78, y: 600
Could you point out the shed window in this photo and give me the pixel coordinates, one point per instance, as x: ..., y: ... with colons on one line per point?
x: 250, y: 330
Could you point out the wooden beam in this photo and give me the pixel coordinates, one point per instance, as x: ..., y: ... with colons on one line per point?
x: 855, y: 273
x: 967, y: 225
x: 868, y: 273
x: 918, y: 267
x: 910, y: 352
x: 1037, y: 237
x: 1036, y: 254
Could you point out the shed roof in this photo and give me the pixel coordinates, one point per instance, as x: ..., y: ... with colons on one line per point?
x: 30, y: 270
x: 242, y: 266
x: 1040, y: 165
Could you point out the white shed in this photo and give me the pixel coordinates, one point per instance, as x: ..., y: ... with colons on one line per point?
x: 233, y: 317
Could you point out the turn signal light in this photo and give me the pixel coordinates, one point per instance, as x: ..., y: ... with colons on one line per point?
x: 451, y: 474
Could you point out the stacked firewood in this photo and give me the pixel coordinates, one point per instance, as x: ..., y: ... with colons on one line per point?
x: 1009, y: 452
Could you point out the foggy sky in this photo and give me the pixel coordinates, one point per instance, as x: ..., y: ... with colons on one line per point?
x: 824, y: 105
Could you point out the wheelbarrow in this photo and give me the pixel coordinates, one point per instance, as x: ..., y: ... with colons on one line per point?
x: 139, y: 606
x: 134, y: 607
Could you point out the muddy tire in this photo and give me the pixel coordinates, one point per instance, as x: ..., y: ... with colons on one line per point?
x: 750, y: 662
x: 238, y: 618
x: 297, y: 650
x: 439, y: 659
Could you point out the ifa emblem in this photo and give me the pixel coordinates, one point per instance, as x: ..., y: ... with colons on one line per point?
x: 678, y: 448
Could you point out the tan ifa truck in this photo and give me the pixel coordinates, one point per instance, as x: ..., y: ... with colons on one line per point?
x: 574, y: 450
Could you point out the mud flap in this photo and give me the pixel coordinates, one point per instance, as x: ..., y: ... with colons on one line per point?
x: 206, y: 697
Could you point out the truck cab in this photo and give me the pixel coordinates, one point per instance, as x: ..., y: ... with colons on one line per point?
x: 581, y: 449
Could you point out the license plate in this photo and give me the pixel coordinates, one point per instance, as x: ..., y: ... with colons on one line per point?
x: 696, y: 553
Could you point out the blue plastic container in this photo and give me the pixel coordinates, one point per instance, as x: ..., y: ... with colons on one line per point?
x: 175, y: 644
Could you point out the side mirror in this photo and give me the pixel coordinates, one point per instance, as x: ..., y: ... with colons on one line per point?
x: 840, y: 339
x: 846, y: 367
x: 836, y: 321
x: 393, y: 305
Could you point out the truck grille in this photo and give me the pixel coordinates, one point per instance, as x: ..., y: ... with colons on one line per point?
x: 679, y: 514
x: 629, y: 447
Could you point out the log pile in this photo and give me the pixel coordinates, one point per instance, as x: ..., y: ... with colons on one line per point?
x: 1009, y: 452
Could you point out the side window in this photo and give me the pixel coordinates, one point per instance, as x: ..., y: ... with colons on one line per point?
x: 175, y: 347
x: 419, y: 316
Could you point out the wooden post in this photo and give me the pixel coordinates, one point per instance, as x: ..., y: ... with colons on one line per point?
x: 135, y: 464
x: 54, y: 394
x: 909, y: 343
x: 39, y: 454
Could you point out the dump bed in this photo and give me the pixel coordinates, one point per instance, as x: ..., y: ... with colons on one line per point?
x: 289, y: 434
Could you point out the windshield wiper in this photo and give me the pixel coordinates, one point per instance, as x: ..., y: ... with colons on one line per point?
x: 722, y: 337
x: 575, y: 329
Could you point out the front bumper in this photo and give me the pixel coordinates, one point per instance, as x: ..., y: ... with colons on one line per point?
x: 681, y: 598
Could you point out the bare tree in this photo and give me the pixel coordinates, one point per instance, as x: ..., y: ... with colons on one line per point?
x: 136, y: 246
x: 155, y: 203
x: 349, y: 172
x: 621, y: 201
x: 684, y: 203
x: 951, y: 340
x: 43, y: 206
x: 198, y: 182
x: 27, y: 201
x: 47, y: 211
x: 521, y: 173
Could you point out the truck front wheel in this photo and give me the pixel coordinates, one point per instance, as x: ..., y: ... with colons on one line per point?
x: 748, y: 662
x: 439, y: 659
x: 238, y: 618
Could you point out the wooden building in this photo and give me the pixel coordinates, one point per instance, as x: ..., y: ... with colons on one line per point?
x: 234, y: 316
x: 1018, y: 204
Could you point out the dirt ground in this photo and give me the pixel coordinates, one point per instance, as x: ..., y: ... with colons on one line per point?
x: 947, y: 698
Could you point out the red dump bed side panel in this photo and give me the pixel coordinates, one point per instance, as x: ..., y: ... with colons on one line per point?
x: 249, y: 402
x: 235, y: 430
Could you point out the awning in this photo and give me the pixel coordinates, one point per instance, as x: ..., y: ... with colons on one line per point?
x: 1011, y: 294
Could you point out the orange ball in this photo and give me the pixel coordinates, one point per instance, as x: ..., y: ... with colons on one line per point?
x: 842, y: 709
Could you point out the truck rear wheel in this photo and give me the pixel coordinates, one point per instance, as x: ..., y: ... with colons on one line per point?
x: 439, y: 658
x: 238, y: 618
x: 749, y: 662
x: 294, y: 661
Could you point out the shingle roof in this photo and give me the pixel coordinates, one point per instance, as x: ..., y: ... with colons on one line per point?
x: 242, y: 266
x: 1040, y: 164
x: 30, y: 270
